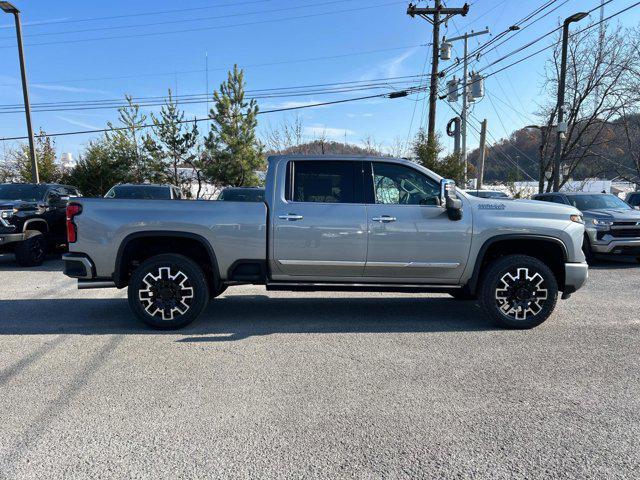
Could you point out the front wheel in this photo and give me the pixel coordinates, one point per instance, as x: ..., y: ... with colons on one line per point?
x: 168, y: 291
x: 32, y: 251
x: 518, y: 291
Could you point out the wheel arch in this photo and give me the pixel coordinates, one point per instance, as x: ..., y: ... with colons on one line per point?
x: 40, y: 225
x: 555, y: 255
x: 139, y: 246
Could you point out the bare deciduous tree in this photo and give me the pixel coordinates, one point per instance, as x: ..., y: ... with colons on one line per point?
x: 597, y: 91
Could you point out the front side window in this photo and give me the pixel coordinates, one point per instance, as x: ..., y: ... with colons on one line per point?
x: 401, y: 185
x: 322, y: 182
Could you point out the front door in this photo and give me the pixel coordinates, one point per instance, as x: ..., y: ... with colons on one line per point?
x: 320, y: 222
x: 410, y: 235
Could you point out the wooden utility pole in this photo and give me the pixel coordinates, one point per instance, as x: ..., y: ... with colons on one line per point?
x: 440, y: 15
x: 483, y: 153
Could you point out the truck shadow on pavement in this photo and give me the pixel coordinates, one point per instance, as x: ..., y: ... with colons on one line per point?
x: 52, y: 263
x: 236, y: 317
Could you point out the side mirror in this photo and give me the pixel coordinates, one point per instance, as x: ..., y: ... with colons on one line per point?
x: 450, y: 200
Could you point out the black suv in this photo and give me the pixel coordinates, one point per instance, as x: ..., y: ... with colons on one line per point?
x: 32, y: 219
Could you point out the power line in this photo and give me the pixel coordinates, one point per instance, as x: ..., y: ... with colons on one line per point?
x: 157, y: 12
x: 196, y: 120
x: 267, y: 64
x: 200, y: 29
x: 184, y: 20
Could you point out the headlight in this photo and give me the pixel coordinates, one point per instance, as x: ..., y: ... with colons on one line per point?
x: 7, y: 213
x: 602, y: 223
x: 577, y: 218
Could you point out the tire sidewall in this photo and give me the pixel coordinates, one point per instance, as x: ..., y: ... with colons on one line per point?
x: 24, y: 255
x: 195, y: 276
x: 492, y: 278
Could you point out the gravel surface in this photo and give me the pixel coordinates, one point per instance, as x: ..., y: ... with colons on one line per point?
x: 339, y: 385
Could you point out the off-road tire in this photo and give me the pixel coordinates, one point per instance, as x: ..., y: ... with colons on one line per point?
x: 168, y: 291
x: 32, y: 251
x: 518, y: 291
x: 589, y: 256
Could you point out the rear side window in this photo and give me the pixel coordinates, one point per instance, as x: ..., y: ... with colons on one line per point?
x: 634, y: 200
x: 322, y: 182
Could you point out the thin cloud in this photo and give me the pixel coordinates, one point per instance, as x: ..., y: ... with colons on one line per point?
x: 328, y: 132
x: 359, y: 115
x: 65, y: 88
x: 77, y: 123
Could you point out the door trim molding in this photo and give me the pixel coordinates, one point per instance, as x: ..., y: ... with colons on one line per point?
x: 321, y: 263
x: 445, y: 265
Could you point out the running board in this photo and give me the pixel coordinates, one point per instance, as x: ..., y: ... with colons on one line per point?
x: 86, y: 284
x: 358, y: 287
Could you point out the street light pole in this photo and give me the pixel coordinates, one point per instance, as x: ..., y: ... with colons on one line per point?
x: 561, y: 87
x: 9, y: 8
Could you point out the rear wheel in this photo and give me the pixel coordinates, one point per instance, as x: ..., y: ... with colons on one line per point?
x: 518, y: 291
x: 32, y: 251
x: 168, y: 291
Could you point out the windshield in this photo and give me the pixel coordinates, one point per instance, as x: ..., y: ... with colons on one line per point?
x: 248, y: 195
x: 488, y: 194
x: 146, y: 192
x: 28, y: 193
x: 597, y: 202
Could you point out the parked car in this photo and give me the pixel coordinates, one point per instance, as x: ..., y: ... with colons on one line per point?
x: 32, y: 219
x: 332, y: 223
x: 487, y: 193
x: 146, y: 191
x: 633, y: 199
x: 612, y: 226
x: 242, y: 194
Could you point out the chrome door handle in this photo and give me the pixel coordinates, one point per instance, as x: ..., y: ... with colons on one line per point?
x: 384, y: 219
x: 291, y: 217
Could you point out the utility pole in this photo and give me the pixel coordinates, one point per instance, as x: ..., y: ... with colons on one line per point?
x: 561, y: 86
x: 440, y: 15
x: 465, y: 92
x: 9, y: 8
x: 483, y: 153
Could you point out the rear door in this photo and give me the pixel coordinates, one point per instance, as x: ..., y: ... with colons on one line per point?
x: 319, y: 221
x: 410, y: 235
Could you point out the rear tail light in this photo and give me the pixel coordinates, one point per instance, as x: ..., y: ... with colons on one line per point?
x: 73, y: 209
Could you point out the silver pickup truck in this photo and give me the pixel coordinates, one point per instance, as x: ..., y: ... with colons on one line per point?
x: 332, y: 223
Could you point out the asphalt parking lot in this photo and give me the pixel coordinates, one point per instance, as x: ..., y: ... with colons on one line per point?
x: 318, y: 385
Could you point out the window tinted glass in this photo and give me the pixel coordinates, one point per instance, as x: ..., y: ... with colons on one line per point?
x: 242, y: 195
x: 598, y: 201
x: 148, y: 192
x: 558, y: 199
x: 323, y: 182
x: 400, y: 185
x: 634, y: 200
x: 27, y: 192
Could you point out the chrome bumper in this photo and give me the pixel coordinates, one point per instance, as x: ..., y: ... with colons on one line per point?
x: 6, y: 238
x: 78, y: 266
x: 575, y: 275
x: 614, y: 245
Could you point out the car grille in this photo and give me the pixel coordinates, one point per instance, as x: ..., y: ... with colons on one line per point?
x: 625, y: 232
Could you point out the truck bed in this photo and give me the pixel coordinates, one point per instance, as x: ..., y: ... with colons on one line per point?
x: 235, y: 230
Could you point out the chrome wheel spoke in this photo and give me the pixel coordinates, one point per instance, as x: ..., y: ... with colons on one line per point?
x: 166, y: 293
x: 521, y: 293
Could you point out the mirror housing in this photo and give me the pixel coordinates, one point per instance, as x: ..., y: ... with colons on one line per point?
x: 449, y: 199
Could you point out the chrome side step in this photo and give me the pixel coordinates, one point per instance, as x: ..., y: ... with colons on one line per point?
x: 358, y: 287
x: 86, y: 284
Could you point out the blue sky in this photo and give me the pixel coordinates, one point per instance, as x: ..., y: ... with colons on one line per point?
x: 74, y: 54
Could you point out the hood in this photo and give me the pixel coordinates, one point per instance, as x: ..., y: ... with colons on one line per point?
x: 614, y: 214
x: 535, y: 207
x: 17, y: 204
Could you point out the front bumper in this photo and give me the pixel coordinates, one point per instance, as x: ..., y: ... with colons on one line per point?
x: 7, y: 238
x: 607, y: 242
x: 575, y: 276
